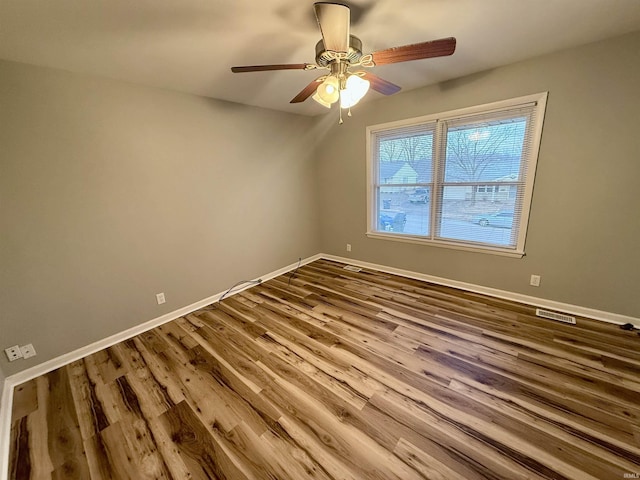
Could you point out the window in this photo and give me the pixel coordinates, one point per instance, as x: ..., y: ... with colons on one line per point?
x: 461, y: 179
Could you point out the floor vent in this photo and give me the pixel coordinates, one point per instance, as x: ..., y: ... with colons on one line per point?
x: 351, y: 268
x: 560, y: 317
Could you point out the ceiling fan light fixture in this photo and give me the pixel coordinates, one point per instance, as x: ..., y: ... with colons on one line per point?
x: 338, y: 51
x: 356, y: 88
x: 317, y: 98
x: 328, y: 92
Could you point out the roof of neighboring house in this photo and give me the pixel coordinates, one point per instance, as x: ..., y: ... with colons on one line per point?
x: 501, y: 168
x: 423, y: 168
x: 496, y: 168
x: 390, y: 169
x: 512, y: 177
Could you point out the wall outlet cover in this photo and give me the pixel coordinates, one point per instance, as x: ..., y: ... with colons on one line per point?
x: 28, y: 351
x: 13, y: 353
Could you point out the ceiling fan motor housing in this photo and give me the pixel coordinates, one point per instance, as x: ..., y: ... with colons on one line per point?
x: 325, y: 57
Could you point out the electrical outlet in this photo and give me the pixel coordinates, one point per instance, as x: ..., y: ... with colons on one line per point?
x: 160, y: 298
x: 28, y: 351
x: 535, y: 281
x: 13, y: 353
x: 348, y: 247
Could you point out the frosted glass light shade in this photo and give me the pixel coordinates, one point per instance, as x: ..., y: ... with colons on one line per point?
x: 328, y: 91
x: 318, y: 99
x: 356, y: 88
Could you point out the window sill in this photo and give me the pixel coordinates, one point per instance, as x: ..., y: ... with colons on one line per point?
x: 441, y: 244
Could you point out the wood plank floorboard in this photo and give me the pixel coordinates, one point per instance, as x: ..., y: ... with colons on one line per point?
x: 331, y: 374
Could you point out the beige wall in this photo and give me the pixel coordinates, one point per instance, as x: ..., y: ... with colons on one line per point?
x: 111, y: 193
x: 584, y: 230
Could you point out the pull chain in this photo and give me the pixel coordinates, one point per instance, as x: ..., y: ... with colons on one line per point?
x: 340, y: 122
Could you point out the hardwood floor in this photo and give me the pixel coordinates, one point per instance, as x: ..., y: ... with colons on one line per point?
x: 342, y: 375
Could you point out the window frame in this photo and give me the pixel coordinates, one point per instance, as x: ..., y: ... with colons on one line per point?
x: 537, y: 101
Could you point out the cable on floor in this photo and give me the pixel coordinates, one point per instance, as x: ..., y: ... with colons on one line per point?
x: 241, y: 282
x: 294, y: 272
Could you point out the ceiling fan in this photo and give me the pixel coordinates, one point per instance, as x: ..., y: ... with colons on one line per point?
x: 339, y: 52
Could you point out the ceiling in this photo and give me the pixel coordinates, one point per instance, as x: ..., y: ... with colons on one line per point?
x: 189, y: 45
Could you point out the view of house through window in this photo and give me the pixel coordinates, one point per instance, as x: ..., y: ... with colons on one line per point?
x: 464, y: 178
x: 406, y: 166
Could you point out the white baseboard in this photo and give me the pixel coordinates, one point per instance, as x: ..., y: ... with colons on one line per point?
x: 592, y: 313
x: 49, y: 365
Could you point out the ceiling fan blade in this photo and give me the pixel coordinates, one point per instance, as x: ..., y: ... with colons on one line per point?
x: 417, y: 51
x: 381, y: 85
x: 307, y: 91
x: 264, y: 68
x: 333, y: 20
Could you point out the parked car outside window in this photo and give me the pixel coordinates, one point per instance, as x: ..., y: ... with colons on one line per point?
x: 420, y: 195
x: 499, y: 219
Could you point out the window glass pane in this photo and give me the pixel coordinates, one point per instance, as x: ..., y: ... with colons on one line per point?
x: 488, y: 151
x: 404, y: 210
x: 406, y: 159
x: 489, y: 220
x: 417, y: 205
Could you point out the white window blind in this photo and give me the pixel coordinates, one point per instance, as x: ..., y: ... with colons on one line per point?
x: 462, y: 179
x: 404, y: 169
